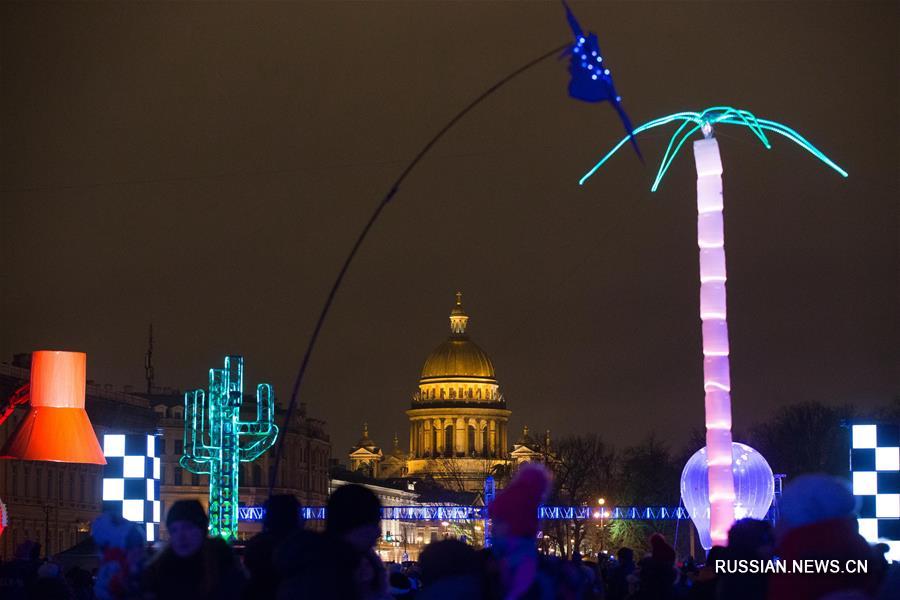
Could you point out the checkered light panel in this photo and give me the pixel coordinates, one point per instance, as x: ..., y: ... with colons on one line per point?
x: 875, y: 468
x: 131, y: 478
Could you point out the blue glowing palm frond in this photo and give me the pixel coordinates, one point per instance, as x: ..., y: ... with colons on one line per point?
x: 692, y: 122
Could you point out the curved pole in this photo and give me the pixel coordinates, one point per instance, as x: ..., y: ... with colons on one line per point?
x: 273, y: 470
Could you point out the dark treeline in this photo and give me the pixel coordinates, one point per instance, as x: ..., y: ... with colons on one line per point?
x: 809, y: 437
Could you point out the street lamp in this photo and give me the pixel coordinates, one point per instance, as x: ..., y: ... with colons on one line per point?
x: 600, y: 514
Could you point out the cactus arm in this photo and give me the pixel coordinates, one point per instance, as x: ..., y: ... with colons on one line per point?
x: 261, y: 433
x: 264, y: 421
x: 195, y: 466
x: 258, y: 446
x: 196, y: 454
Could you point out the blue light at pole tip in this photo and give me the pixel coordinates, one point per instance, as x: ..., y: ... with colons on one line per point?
x: 692, y: 122
x: 590, y: 85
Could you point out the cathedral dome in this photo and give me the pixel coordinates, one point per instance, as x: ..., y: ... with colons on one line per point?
x: 458, y: 356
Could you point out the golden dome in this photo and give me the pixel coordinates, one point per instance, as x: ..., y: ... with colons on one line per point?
x: 458, y: 356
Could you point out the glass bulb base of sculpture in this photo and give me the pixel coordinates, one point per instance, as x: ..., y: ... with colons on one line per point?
x: 754, y: 488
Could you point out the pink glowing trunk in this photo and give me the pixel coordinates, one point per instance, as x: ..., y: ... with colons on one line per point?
x: 716, y: 376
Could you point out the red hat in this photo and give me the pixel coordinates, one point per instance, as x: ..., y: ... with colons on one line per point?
x: 661, y: 551
x: 516, y: 506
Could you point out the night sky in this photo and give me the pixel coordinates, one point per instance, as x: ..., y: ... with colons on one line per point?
x: 206, y: 167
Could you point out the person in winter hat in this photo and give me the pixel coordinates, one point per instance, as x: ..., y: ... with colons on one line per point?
x: 514, y: 510
x: 354, y: 518
x: 515, y: 526
x: 818, y: 521
x: 192, y: 566
x: 748, y: 539
x: 281, y: 521
x: 656, y: 576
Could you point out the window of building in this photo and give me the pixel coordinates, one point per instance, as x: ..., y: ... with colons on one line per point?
x: 27, y: 485
x: 14, y: 482
x: 195, y: 479
x: 83, y: 489
x: 179, y: 447
x: 177, y: 480
x: 71, y: 487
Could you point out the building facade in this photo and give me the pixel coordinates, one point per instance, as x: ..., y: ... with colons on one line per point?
x: 458, y: 420
x: 54, y: 503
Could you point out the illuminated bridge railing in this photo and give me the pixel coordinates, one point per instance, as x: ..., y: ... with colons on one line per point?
x: 473, y: 513
x: 434, y: 513
x: 620, y: 513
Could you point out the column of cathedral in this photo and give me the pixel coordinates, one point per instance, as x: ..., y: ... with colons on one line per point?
x: 422, y: 439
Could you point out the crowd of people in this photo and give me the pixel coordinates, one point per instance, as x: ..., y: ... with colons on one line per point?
x: 286, y: 561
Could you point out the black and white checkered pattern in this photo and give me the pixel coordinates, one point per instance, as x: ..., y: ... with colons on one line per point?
x: 875, y: 468
x: 131, y: 478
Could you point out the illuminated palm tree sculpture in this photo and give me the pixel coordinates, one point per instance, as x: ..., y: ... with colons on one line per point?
x: 711, y: 240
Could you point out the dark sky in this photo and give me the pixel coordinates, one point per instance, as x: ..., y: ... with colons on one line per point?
x: 207, y: 166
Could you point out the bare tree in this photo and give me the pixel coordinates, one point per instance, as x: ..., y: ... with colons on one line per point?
x: 583, y: 468
x: 805, y: 438
x: 469, y: 475
x: 452, y: 474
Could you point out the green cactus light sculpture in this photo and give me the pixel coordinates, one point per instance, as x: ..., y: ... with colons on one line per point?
x: 216, y: 441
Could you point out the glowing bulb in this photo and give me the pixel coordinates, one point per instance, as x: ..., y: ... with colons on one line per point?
x: 754, y: 488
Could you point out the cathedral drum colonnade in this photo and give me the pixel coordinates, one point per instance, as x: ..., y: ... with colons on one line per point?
x: 458, y: 419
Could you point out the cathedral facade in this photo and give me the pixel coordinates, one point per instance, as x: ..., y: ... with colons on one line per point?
x: 458, y: 420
